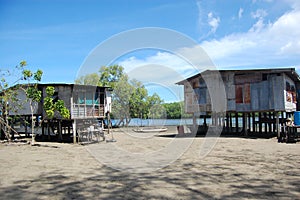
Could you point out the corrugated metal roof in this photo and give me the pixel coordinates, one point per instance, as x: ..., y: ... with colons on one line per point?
x: 290, y: 72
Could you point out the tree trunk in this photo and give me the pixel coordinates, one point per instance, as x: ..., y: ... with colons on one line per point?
x: 121, y: 121
x: 32, y: 130
x: 32, y: 124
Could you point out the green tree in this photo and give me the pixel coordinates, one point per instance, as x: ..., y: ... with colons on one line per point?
x: 33, y: 94
x: 50, y: 107
x: 89, y: 79
x: 154, y: 107
x: 175, y: 110
x: 138, y: 100
x: 121, y: 100
x: 130, y: 97
x: 110, y: 75
x: 8, y: 96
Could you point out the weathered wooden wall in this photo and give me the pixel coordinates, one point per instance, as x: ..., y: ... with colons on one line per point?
x: 23, y: 107
x: 67, y: 93
x: 245, y: 92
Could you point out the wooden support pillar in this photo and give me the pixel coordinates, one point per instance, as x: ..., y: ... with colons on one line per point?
x: 282, y: 117
x: 59, y: 129
x: 48, y: 129
x: 25, y: 125
x: 245, y: 123
x: 259, y: 123
x: 230, y: 121
x: 249, y: 121
x: 274, y: 124
x: 277, y: 125
x: 253, y: 122
x: 43, y: 131
x: 74, y: 131
x: 212, y: 119
x: 270, y: 123
x: 237, y: 122
x: 266, y: 123
x: 194, y: 120
x: 220, y: 117
x: 227, y: 122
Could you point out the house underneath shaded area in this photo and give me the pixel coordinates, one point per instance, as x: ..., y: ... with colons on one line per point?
x: 243, y: 101
x: 87, y: 105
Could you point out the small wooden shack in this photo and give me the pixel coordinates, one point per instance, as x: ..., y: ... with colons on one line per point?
x: 85, y: 102
x: 260, y: 98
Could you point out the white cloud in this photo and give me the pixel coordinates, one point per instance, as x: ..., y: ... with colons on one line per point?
x: 272, y: 44
x: 259, y: 14
x: 160, y: 71
x: 258, y: 26
x: 241, y: 11
x: 276, y: 44
x: 164, y: 59
x: 207, y: 21
x: 213, y: 22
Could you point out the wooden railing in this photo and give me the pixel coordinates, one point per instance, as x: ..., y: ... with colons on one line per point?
x: 87, y: 111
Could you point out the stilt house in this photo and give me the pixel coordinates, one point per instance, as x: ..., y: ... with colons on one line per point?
x: 84, y: 102
x: 262, y: 98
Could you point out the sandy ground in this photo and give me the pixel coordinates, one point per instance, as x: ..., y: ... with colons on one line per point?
x: 235, y: 168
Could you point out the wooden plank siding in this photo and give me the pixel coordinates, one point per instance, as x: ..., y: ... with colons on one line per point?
x: 246, y: 90
x: 83, y: 101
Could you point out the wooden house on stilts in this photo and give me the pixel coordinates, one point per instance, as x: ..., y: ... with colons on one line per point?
x: 87, y: 105
x: 243, y: 101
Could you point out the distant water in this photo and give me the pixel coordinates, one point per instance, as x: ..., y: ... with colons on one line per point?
x: 169, y: 122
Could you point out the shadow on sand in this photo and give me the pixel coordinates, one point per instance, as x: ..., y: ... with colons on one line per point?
x: 217, y: 182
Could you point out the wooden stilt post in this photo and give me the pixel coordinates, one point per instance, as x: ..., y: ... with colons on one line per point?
x: 249, y: 121
x: 245, y: 116
x: 25, y: 125
x: 43, y: 130
x: 69, y: 129
x: 48, y: 129
x: 266, y: 123
x: 259, y: 123
x: 253, y: 122
x: 277, y: 125
x: 220, y: 119
x: 270, y: 122
x: 59, y: 129
x: 74, y: 131
x: 237, y: 122
x: 230, y: 122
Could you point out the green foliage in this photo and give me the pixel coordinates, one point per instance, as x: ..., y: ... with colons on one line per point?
x: 89, y: 79
x: 138, y: 99
x: 9, y: 92
x: 50, y: 91
x: 27, y: 74
x: 51, y: 107
x: 38, y: 75
x: 109, y: 76
x: 50, y: 113
x: 65, y: 113
x: 130, y: 97
x: 121, y: 99
x: 23, y: 63
x: 48, y: 102
x: 33, y: 93
x: 175, y: 110
x: 154, y: 107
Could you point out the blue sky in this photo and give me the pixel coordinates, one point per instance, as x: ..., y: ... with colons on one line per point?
x: 58, y: 35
